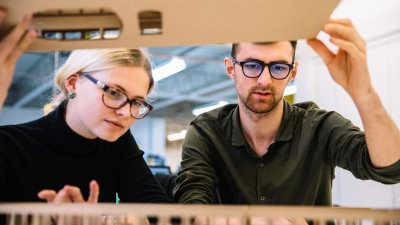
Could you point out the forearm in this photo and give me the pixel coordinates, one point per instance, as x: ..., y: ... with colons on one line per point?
x: 195, y: 187
x: 382, y: 134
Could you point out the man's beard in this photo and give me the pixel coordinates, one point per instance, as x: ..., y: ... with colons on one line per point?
x: 260, y: 106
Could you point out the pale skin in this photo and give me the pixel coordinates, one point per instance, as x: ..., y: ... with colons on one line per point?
x: 348, y: 67
x: 103, y: 122
x: 11, y: 48
x: 261, y: 128
x: 100, y: 121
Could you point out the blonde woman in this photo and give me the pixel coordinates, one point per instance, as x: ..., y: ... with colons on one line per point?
x: 82, y: 150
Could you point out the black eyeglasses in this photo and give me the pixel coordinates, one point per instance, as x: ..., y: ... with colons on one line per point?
x: 115, y: 99
x: 254, y: 68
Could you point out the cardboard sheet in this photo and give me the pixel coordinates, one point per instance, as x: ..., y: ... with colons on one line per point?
x: 152, y: 23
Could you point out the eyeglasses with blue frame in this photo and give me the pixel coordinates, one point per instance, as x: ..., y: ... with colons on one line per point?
x: 115, y: 99
x: 254, y: 68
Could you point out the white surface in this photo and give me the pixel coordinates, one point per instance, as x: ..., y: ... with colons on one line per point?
x: 314, y: 83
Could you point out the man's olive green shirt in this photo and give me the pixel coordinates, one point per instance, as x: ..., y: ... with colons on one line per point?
x: 218, y: 165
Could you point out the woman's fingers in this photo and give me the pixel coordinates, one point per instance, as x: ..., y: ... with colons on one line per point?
x: 74, y: 193
x: 94, y: 192
x: 47, y: 195
x: 70, y: 194
x: 62, y: 197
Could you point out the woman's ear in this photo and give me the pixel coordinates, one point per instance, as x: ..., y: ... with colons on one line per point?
x: 70, y: 82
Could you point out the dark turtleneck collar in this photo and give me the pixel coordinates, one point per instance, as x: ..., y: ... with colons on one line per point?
x: 64, y: 139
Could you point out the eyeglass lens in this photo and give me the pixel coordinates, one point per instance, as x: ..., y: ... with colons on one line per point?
x: 277, y: 70
x: 116, y: 99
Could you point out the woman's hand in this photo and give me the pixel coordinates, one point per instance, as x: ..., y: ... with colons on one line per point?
x: 11, y: 48
x: 70, y: 194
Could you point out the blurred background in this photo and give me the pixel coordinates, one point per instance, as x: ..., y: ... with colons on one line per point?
x: 197, y: 82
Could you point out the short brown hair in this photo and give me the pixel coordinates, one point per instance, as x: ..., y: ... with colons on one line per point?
x: 236, y: 45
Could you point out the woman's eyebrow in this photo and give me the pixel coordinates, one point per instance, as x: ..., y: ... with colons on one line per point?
x: 120, y: 88
x: 116, y: 86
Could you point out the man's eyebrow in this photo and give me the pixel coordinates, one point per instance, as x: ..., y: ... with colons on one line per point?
x: 280, y: 61
x: 274, y: 61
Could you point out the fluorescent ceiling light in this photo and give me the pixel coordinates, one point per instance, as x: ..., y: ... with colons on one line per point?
x: 177, y: 136
x: 174, y: 66
x: 207, y: 108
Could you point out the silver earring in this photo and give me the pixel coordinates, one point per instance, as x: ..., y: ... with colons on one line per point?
x: 71, y: 95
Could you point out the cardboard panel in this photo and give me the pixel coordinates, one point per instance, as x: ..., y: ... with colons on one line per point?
x: 169, y: 23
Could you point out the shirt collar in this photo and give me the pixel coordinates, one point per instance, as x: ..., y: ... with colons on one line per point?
x: 285, y: 132
x: 237, y: 135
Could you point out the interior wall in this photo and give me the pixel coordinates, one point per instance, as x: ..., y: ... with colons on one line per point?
x: 314, y: 83
x: 11, y: 115
x: 150, y: 135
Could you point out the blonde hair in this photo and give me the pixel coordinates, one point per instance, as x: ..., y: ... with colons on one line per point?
x: 88, y: 60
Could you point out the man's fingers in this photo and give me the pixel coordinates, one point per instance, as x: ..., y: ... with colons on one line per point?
x: 94, y: 192
x: 47, y: 194
x: 74, y: 193
x: 321, y: 49
x: 342, y: 21
x: 347, y: 33
x: 348, y: 47
x: 10, y: 42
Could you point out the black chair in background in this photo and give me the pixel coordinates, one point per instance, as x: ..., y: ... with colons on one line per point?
x: 166, y: 179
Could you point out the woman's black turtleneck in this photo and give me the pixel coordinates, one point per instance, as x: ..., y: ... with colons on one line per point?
x: 47, y: 154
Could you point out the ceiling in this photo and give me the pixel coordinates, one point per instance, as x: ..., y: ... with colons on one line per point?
x: 203, y: 81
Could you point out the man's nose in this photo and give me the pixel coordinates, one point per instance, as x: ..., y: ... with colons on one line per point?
x: 265, y: 77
